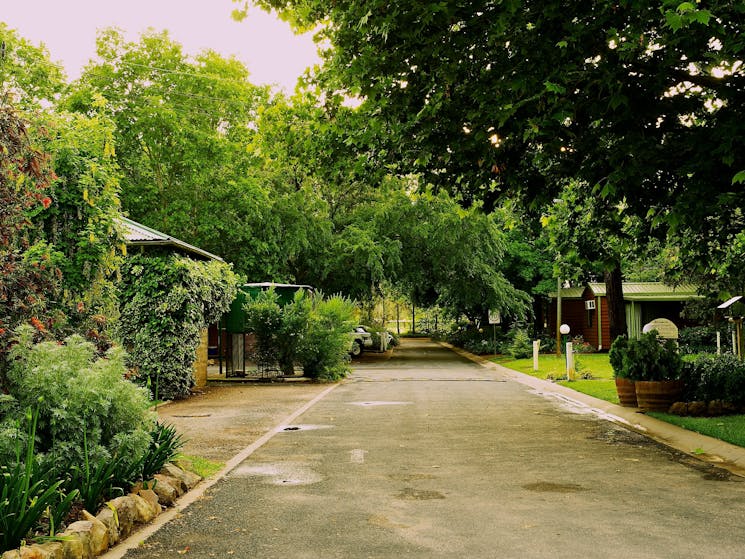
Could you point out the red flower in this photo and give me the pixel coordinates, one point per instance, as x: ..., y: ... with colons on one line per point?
x: 46, y: 201
x: 37, y: 324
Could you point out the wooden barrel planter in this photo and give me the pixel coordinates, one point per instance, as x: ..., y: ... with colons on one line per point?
x: 626, y: 392
x: 658, y: 395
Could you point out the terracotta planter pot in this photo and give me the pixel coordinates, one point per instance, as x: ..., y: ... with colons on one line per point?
x: 626, y: 392
x: 658, y: 395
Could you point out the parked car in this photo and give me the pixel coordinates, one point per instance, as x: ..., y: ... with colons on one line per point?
x: 361, y: 339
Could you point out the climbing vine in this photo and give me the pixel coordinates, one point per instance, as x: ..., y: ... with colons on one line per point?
x: 165, y: 302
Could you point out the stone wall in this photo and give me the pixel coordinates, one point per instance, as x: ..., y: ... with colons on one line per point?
x: 94, y: 535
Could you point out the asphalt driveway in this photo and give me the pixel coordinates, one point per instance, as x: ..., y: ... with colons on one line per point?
x: 427, y: 454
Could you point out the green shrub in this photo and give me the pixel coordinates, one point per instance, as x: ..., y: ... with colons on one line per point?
x: 85, y: 400
x: 715, y: 377
x: 311, y: 331
x: 480, y: 347
x: 166, y: 301
x: 264, y: 321
x: 616, y: 355
x: 698, y: 339
x: 548, y: 343
x: 479, y: 342
x: 645, y: 358
x: 278, y: 329
x: 522, y: 346
x: 323, y: 349
x: 579, y: 345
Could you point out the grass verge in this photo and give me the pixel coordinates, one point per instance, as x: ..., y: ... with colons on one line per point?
x: 553, y: 367
x: 200, y: 466
x: 598, y: 388
x: 595, y: 365
x: 728, y: 428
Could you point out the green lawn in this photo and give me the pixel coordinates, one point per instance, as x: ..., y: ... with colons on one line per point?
x: 599, y: 388
x: 729, y: 428
x: 551, y: 366
x: 600, y: 383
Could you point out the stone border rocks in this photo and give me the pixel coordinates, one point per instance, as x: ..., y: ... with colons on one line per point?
x: 92, y: 535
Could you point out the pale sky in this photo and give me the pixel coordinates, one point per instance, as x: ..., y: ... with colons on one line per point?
x: 266, y: 45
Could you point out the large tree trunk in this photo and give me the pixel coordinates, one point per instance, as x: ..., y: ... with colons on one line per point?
x: 616, y: 307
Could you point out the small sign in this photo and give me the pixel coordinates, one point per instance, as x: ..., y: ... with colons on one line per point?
x: 495, y: 317
x: 665, y: 328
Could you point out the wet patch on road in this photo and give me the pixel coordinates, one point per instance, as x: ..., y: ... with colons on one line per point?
x: 550, y: 487
x: 287, y: 474
x: 616, y: 435
x: 411, y: 494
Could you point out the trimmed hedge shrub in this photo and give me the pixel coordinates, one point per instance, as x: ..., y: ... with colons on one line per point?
x: 715, y: 377
x: 698, y: 339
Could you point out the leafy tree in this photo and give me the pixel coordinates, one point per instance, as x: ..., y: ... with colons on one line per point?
x: 450, y: 256
x: 182, y: 129
x: 643, y: 101
x: 589, y: 234
x: 27, y: 75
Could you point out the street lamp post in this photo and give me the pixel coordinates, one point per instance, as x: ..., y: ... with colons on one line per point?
x: 564, y: 331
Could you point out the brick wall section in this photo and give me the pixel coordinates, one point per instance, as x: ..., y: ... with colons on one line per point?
x: 200, y: 364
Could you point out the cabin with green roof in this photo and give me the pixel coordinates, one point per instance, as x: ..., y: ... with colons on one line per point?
x: 585, y: 309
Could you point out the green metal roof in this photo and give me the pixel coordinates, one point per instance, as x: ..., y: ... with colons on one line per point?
x: 650, y: 291
x: 137, y: 234
x: 636, y: 291
x: 569, y: 293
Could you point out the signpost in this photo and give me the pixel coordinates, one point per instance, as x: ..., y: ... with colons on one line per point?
x: 494, y: 318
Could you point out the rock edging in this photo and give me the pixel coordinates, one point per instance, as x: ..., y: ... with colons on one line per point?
x: 92, y: 535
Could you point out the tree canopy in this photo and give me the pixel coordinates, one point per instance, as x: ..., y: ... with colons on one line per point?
x: 642, y: 100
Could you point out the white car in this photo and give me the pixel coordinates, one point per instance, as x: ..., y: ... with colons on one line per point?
x: 361, y: 339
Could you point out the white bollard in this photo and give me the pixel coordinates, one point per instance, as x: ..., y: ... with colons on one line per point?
x: 536, y: 349
x: 570, y: 362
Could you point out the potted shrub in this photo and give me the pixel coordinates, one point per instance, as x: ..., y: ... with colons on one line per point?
x: 625, y: 386
x: 653, y: 366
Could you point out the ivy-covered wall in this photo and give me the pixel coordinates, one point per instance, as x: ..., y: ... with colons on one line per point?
x: 165, y: 301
